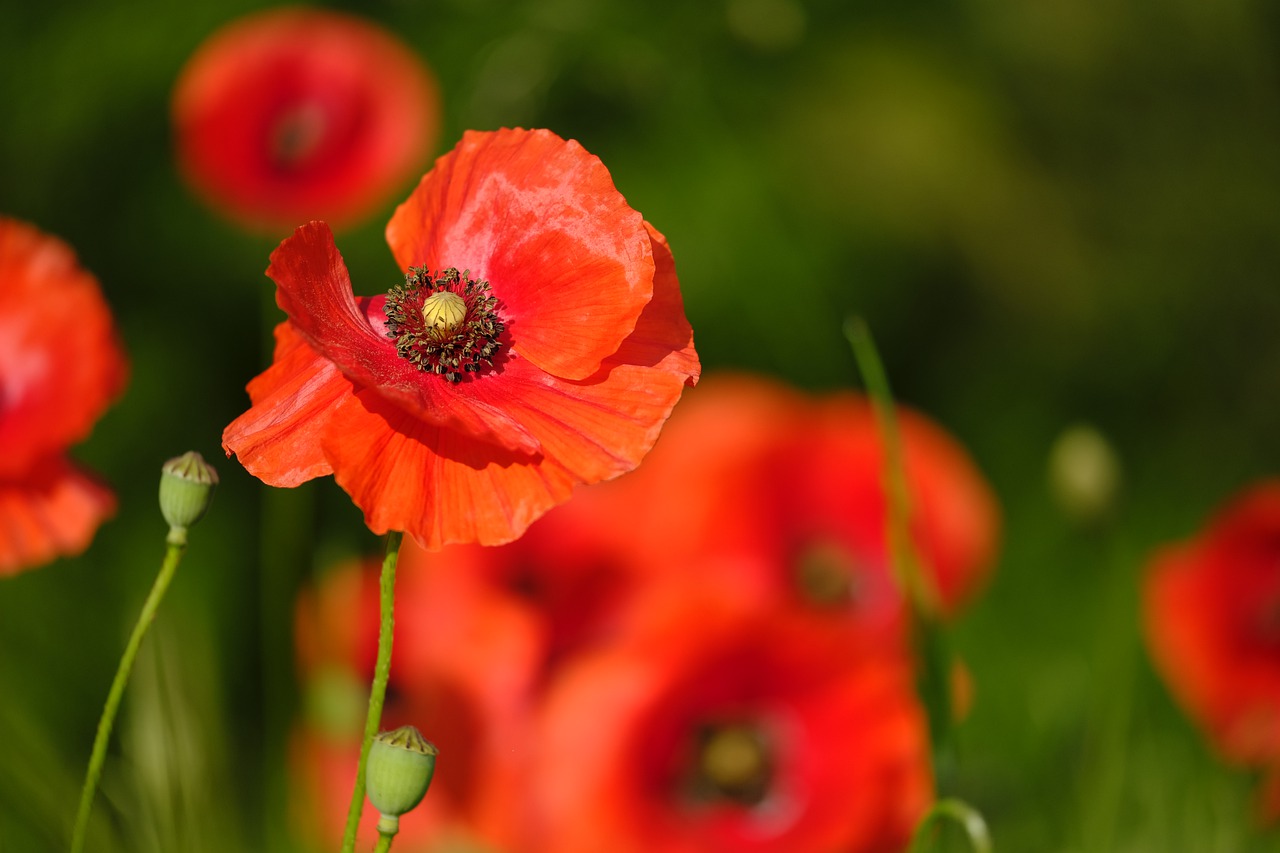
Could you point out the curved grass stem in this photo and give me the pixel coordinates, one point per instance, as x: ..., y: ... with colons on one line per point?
x: 966, y: 816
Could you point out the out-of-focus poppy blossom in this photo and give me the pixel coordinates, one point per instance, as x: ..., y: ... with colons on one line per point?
x: 798, y: 483
x: 462, y: 673
x: 61, y: 364
x: 724, y: 729
x: 577, y: 571
x: 538, y: 341
x: 1212, y: 614
x: 296, y: 114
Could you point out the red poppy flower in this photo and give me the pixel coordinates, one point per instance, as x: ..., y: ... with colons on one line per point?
x: 538, y: 341
x: 1212, y: 608
x: 724, y: 730
x: 794, y: 485
x: 293, y: 114
x: 60, y: 366
x: 577, y: 571
x: 462, y: 674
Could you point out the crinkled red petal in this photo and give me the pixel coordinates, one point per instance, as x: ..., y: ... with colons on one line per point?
x: 278, y: 439
x: 52, y: 512
x: 541, y: 220
x: 604, y: 425
x: 63, y: 363
x: 436, y: 484
x: 442, y: 487
x: 314, y: 289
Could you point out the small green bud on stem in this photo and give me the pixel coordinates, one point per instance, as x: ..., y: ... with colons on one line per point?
x: 401, y: 764
x: 186, y: 490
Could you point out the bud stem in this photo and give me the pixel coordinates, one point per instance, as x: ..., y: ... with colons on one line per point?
x: 172, y: 556
x: 384, y: 843
x: 378, y: 691
x: 968, y: 818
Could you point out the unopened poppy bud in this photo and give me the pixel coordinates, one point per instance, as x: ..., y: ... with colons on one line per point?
x: 1084, y: 473
x: 186, y: 489
x: 401, y: 764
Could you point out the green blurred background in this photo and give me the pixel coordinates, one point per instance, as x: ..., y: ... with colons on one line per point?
x: 1049, y: 212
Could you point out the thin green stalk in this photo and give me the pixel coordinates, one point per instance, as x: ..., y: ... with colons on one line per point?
x: 931, y: 644
x: 967, y: 817
x: 384, y: 843
x: 378, y: 691
x: 905, y: 564
x: 176, y: 546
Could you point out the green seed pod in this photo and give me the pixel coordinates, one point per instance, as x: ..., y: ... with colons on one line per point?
x: 1084, y: 474
x: 401, y: 764
x: 186, y: 489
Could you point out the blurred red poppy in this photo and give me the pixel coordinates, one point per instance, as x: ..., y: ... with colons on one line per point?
x: 1212, y: 614
x: 720, y: 729
x: 577, y: 571
x: 794, y: 486
x: 294, y: 114
x: 61, y: 364
x: 462, y: 674
x: 538, y: 341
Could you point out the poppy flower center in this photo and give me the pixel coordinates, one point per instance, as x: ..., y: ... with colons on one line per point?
x: 444, y: 323
x: 733, y: 762
x: 443, y: 312
x: 825, y: 575
x: 297, y: 135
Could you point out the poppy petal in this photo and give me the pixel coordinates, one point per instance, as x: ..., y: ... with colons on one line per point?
x: 289, y: 114
x: 603, y: 426
x: 540, y: 219
x: 438, y: 485
x: 62, y: 359
x: 278, y: 439
x: 314, y: 289
x: 663, y: 335
x: 52, y: 512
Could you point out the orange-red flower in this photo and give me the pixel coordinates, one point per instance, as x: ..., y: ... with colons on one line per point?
x: 60, y: 366
x: 714, y: 729
x: 1212, y: 608
x: 577, y: 573
x: 537, y: 341
x: 296, y: 114
x: 795, y: 486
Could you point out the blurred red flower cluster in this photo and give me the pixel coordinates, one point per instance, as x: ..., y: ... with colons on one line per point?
x: 708, y: 654
x: 61, y: 365
x: 1213, y: 627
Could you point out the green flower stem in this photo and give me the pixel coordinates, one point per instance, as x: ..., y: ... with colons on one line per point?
x: 384, y: 843
x: 927, y: 634
x: 905, y: 564
x: 965, y: 815
x: 176, y: 546
x: 378, y: 692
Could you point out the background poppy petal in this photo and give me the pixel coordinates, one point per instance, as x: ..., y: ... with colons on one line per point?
x: 63, y: 363
x: 52, y: 512
x: 540, y: 219
x: 290, y: 114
